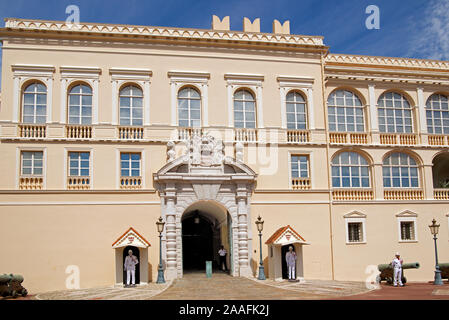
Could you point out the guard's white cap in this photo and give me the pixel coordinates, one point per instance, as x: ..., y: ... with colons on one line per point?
x: 397, y: 254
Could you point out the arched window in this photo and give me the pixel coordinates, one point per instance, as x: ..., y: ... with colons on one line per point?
x: 350, y: 170
x: 35, y: 103
x: 296, y: 111
x: 80, y: 104
x: 400, y: 171
x: 437, y: 113
x: 244, y: 110
x: 395, y: 113
x: 345, y: 112
x: 131, y: 106
x: 189, y: 108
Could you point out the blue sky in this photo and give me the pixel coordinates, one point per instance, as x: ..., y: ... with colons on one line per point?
x: 413, y: 28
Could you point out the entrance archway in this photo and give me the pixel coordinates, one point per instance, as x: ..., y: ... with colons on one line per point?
x: 206, y: 226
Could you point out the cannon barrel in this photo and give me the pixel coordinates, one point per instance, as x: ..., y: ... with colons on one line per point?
x: 413, y: 265
x: 17, y: 277
x: 5, y: 278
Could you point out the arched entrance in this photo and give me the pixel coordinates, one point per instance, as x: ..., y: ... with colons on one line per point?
x: 440, y: 171
x: 206, y: 226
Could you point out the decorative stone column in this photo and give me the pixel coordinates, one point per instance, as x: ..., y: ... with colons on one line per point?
x: 378, y: 181
x: 242, y: 213
x: 170, y: 227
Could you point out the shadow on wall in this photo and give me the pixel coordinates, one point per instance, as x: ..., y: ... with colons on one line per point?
x: 150, y: 272
x: 255, y: 267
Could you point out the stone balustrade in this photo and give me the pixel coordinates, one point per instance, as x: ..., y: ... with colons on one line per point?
x: 131, y: 183
x: 78, y: 132
x: 31, y: 183
x: 401, y: 139
x: 298, y: 136
x: 438, y: 140
x: 245, y: 135
x: 78, y: 183
x: 441, y: 194
x: 352, y: 194
x: 301, y: 183
x: 33, y: 131
x: 403, y: 194
x: 130, y: 133
x: 188, y: 133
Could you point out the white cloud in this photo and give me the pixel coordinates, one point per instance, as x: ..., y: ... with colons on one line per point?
x: 431, y: 41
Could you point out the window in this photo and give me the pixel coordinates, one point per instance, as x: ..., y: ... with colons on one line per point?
x: 355, y: 232
x: 395, y: 113
x: 130, y: 164
x: 35, y: 103
x: 300, y: 166
x: 244, y: 110
x: 400, y: 171
x: 131, y: 106
x: 350, y: 170
x: 79, y: 164
x: 32, y: 163
x: 189, y: 108
x: 80, y: 105
x: 407, y: 230
x: 296, y: 111
x: 345, y: 112
x: 437, y: 113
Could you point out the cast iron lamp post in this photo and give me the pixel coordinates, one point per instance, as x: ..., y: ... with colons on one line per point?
x: 160, y: 271
x: 259, y: 224
x: 434, y: 230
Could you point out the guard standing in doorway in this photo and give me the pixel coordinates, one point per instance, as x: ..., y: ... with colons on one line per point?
x: 397, y: 269
x: 222, y: 253
x: 130, y: 267
x: 290, y: 257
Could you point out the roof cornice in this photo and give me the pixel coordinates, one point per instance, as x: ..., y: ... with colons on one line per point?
x: 316, y: 42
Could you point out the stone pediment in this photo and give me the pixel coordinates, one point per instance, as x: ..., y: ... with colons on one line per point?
x: 131, y: 238
x: 204, y: 155
x: 284, y: 236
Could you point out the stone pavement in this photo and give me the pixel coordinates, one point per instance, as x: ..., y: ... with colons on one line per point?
x: 411, y: 291
x: 195, y: 286
x: 144, y: 292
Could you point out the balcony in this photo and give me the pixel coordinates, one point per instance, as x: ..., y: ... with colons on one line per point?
x: 441, y: 194
x: 346, y: 137
x: 78, y: 183
x: 401, y: 139
x: 352, y: 194
x: 188, y: 133
x: 438, y: 140
x: 301, y: 183
x: 298, y: 136
x: 31, y: 183
x: 32, y: 131
x: 403, y: 194
x: 245, y: 135
x: 131, y: 183
x: 130, y: 133
x: 78, y: 132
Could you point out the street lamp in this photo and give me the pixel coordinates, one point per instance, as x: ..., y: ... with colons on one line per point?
x: 434, y: 230
x: 259, y: 224
x: 160, y: 271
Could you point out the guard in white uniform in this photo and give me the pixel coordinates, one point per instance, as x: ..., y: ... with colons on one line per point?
x: 130, y: 268
x: 290, y: 258
x: 397, y: 269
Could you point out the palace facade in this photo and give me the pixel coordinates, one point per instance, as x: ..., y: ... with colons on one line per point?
x: 106, y: 128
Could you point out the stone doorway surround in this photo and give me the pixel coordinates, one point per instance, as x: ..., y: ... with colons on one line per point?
x: 204, y: 174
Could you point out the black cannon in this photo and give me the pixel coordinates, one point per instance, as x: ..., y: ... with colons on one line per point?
x: 444, y: 268
x: 387, y: 272
x: 11, y: 286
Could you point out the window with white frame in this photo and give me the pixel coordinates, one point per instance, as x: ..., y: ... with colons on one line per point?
x: 400, y: 171
x: 395, y: 113
x: 350, y: 170
x: 130, y: 164
x: 32, y: 163
x: 131, y: 106
x: 35, y: 103
x: 300, y: 166
x: 79, y: 164
x: 355, y: 232
x: 345, y: 112
x: 80, y: 104
x: 189, y: 108
x: 244, y: 110
x: 296, y: 111
x: 437, y: 114
x: 407, y: 229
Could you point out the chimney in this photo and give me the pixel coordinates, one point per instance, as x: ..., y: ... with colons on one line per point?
x: 251, y: 27
x: 218, y: 24
x: 278, y: 28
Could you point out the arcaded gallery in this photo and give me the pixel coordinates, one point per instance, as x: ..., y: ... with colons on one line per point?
x: 104, y: 129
